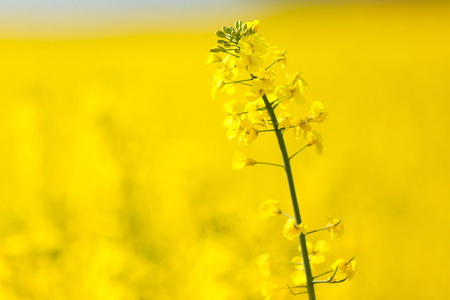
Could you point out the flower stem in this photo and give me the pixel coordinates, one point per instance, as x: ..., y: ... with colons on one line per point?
x: 238, y: 81
x: 271, y: 64
x: 317, y: 230
x: 298, y: 152
x: 270, y: 164
x: 297, y: 217
x: 287, y: 216
x: 323, y: 274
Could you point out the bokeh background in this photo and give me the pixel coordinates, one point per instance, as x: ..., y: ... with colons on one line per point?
x: 116, y: 180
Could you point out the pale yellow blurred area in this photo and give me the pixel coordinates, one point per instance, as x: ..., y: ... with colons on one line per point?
x: 116, y: 178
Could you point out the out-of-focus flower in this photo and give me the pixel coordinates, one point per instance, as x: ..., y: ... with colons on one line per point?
x: 314, y: 138
x: 297, y: 262
x: 298, y: 277
x: 258, y: 117
x: 345, y: 269
x: 240, y: 161
x: 262, y: 83
x: 269, y: 208
x: 266, y: 264
x: 253, y: 50
x: 301, y: 128
x: 268, y: 288
x: 254, y: 45
x: 253, y: 63
x: 263, y: 265
x: 335, y: 227
x: 225, y: 71
x: 293, y: 90
x: 317, y: 113
x: 315, y: 252
x: 285, y: 123
x: 218, y: 84
x: 318, y: 252
x: 213, y: 58
x: 292, y: 230
x: 254, y: 26
x: 248, y: 135
x: 232, y: 123
x: 280, y: 56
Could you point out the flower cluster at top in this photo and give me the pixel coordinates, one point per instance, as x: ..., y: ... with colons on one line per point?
x: 242, y: 57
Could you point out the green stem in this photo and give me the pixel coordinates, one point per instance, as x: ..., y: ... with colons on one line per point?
x: 323, y: 274
x: 271, y: 64
x: 288, y: 216
x: 298, y: 152
x: 297, y: 217
x: 270, y: 164
x: 231, y: 54
x: 238, y: 81
x: 317, y: 230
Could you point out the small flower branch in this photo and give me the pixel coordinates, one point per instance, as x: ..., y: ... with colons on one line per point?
x: 287, y: 216
x: 270, y: 164
x: 297, y: 217
x: 320, y: 275
x: 238, y: 81
x: 292, y: 156
x: 296, y: 293
x: 317, y: 230
x: 275, y: 61
x: 322, y: 229
x: 329, y: 280
x: 258, y: 109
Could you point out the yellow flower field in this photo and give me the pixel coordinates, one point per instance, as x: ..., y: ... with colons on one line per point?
x: 116, y: 177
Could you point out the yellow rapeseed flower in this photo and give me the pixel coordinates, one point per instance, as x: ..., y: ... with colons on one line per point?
x: 253, y: 25
x: 258, y: 117
x: 315, y: 252
x: 232, y: 121
x: 224, y: 71
x: 279, y: 56
x: 218, y: 84
x: 317, y: 112
x: 240, y: 161
x: 233, y: 106
x: 314, y: 138
x: 335, y: 227
x: 213, y: 58
x: 253, y: 63
x: 318, y: 252
x: 345, y: 269
x: 266, y: 264
x: 292, y: 230
x: 268, y: 288
x: 298, y: 277
x: 293, y: 90
x: 321, y: 246
x: 263, y: 265
x: 297, y: 261
x: 263, y: 83
x: 285, y: 123
x: 254, y: 45
x: 301, y: 128
x: 269, y: 208
x: 248, y: 135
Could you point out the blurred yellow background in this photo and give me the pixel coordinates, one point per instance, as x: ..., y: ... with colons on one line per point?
x: 116, y: 178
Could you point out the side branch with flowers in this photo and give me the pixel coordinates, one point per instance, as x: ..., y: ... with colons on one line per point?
x: 241, y: 49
